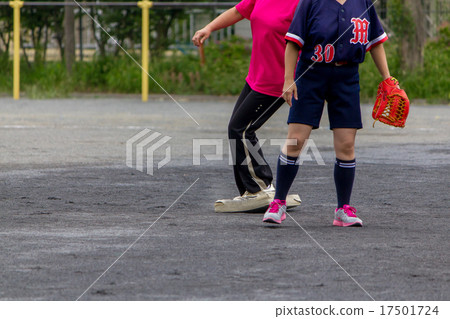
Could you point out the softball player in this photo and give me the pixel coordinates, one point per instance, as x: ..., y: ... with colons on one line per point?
x: 259, y: 99
x: 334, y: 36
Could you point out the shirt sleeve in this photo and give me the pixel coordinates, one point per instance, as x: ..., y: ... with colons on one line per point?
x: 376, y: 32
x: 245, y: 8
x: 298, y: 29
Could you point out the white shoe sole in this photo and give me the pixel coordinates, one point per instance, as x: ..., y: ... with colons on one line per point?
x: 293, y: 201
x: 256, y: 204
x: 249, y: 204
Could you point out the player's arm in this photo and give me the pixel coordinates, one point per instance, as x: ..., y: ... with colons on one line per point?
x: 290, y: 61
x: 229, y: 17
x: 379, y: 57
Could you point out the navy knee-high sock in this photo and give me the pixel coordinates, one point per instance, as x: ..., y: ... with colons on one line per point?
x: 287, y: 169
x: 344, y: 175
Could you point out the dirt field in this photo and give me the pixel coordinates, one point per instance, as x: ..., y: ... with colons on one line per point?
x: 70, y: 207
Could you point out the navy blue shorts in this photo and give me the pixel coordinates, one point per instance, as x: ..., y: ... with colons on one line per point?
x: 338, y: 85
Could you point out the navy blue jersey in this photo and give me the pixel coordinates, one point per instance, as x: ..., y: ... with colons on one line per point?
x: 327, y: 31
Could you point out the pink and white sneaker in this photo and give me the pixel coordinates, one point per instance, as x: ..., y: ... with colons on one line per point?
x: 276, y: 212
x: 346, y: 217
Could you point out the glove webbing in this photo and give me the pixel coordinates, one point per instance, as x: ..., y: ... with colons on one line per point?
x: 392, y: 100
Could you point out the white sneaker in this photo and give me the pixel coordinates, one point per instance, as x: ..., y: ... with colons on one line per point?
x: 256, y: 202
x: 246, y: 203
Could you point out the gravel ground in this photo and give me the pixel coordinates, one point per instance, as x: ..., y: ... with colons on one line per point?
x: 70, y: 207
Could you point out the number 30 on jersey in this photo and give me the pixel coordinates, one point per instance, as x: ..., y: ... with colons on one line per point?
x: 320, y: 54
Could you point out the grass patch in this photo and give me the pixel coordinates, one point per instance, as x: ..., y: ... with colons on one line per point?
x: 223, y: 74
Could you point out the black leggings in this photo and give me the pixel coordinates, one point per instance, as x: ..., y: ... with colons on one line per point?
x: 252, y: 110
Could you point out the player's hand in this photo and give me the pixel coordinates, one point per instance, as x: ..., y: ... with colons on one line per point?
x: 290, y: 91
x: 200, y: 36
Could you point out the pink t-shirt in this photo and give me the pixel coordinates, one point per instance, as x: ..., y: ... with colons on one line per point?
x: 270, y: 20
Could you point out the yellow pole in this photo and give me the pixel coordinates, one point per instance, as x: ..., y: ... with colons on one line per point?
x: 16, y: 5
x: 145, y: 5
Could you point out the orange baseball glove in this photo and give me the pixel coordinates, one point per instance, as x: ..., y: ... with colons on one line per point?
x: 392, y: 104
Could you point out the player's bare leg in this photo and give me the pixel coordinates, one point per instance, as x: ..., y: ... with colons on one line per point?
x: 296, y: 132
x: 344, y: 143
x: 344, y: 175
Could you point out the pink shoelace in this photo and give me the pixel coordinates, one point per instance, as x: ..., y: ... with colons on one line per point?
x: 350, y: 211
x: 273, y: 207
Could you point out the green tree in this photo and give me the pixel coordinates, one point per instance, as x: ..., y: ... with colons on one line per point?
x: 407, y: 21
x: 6, y: 27
x: 38, y: 23
x: 69, y: 37
x: 161, y: 20
x: 122, y: 23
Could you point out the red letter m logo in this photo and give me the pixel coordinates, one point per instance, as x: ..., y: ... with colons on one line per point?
x: 360, y: 31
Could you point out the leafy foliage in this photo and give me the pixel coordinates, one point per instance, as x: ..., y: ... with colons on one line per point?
x: 6, y: 26
x: 400, y: 17
x: 124, y: 23
x: 429, y: 82
x: 224, y: 73
x: 38, y: 25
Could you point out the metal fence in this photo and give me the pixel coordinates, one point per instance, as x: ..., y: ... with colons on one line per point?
x: 144, y: 6
x: 182, y: 19
x: 189, y: 17
x: 193, y: 15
